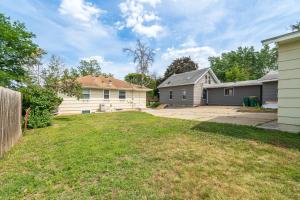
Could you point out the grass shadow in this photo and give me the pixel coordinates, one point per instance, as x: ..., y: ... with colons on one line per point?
x: 276, y: 138
x: 63, y: 119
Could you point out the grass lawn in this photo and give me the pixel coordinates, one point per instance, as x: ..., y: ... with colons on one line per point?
x: 133, y: 155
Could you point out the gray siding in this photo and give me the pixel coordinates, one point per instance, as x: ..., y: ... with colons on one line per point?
x: 177, y: 95
x: 216, y: 95
x: 193, y: 93
x: 270, y: 91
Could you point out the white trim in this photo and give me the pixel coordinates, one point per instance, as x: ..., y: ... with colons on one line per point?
x: 170, y: 95
x: 108, y: 95
x: 125, y: 95
x: 232, y: 92
x: 282, y: 38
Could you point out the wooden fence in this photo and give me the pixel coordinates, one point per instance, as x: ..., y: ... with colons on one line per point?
x: 10, y: 119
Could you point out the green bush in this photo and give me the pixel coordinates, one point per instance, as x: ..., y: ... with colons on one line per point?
x: 42, y: 102
x: 153, y: 104
x: 39, y: 119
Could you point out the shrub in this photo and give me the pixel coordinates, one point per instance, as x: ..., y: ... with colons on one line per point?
x: 39, y: 118
x: 42, y: 103
x: 153, y: 104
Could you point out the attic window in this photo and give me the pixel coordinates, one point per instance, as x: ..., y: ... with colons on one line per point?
x: 169, y: 82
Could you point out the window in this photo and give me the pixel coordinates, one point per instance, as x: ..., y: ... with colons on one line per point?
x: 209, y: 81
x: 106, y: 94
x: 183, y: 94
x: 204, y: 94
x: 171, y: 95
x: 228, y: 92
x: 85, y: 112
x: 205, y: 78
x: 85, y: 94
x: 122, y: 94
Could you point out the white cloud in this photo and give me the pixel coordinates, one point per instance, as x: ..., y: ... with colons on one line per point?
x: 80, y: 10
x: 100, y: 60
x: 139, y: 19
x: 198, y: 54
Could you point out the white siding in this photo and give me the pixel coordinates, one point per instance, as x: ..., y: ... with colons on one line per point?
x: 289, y: 86
x: 97, y: 103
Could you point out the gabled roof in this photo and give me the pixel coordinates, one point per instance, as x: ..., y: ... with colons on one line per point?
x: 102, y: 82
x: 233, y: 84
x: 271, y: 76
x: 283, y: 38
x: 187, y: 78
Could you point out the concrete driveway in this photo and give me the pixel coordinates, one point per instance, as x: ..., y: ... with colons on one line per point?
x: 221, y: 114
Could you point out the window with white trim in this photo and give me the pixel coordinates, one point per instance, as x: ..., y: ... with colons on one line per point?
x: 171, y: 94
x: 122, y: 94
x: 183, y: 94
x: 228, y: 91
x: 209, y: 80
x: 106, y: 94
x: 85, y: 94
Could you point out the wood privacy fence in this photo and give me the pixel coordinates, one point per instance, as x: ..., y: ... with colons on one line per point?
x: 10, y: 119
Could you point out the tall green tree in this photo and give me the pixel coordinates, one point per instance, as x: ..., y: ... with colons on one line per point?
x: 236, y: 74
x: 137, y: 79
x: 254, y: 63
x: 143, y: 57
x: 295, y: 27
x: 58, y: 78
x: 17, y: 52
x: 180, y: 65
x: 89, y: 67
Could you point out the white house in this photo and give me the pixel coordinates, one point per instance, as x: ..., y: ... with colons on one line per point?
x: 104, y: 94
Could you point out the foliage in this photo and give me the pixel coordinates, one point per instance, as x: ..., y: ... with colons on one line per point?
x: 43, y: 102
x: 133, y: 155
x: 295, y: 27
x: 89, y: 67
x: 180, y: 65
x: 60, y: 79
x: 237, y: 74
x: 143, y: 56
x: 153, y: 104
x: 39, y: 119
x: 17, y: 52
x: 255, y: 63
x: 136, y: 78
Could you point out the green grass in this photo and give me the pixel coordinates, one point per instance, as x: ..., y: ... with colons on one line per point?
x: 133, y: 155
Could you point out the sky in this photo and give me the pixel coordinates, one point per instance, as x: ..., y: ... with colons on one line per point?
x: 100, y: 29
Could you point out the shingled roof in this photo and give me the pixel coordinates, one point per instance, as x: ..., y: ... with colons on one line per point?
x: 271, y: 76
x: 103, y: 82
x: 187, y: 78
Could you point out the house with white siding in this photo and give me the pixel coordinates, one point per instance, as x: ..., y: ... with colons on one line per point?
x: 104, y: 94
x: 289, y: 80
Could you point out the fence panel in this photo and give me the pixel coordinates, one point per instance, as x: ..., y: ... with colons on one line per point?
x: 10, y: 119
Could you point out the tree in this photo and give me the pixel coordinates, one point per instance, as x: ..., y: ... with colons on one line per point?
x: 58, y: 78
x: 52, y: 74
x: 236, y: 74
x: 180, y: 65
x: 143, y: 57
x: 89, y: 67
x: 295, y: 27
x: 136, y: 78
x: 42, y: 103
x: 17, y: 52
x: 255, y: 63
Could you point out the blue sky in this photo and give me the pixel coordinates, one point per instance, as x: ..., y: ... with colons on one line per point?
x: 100, y: 29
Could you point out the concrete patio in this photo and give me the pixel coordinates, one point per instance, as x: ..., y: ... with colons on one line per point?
x: 221, y: 114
